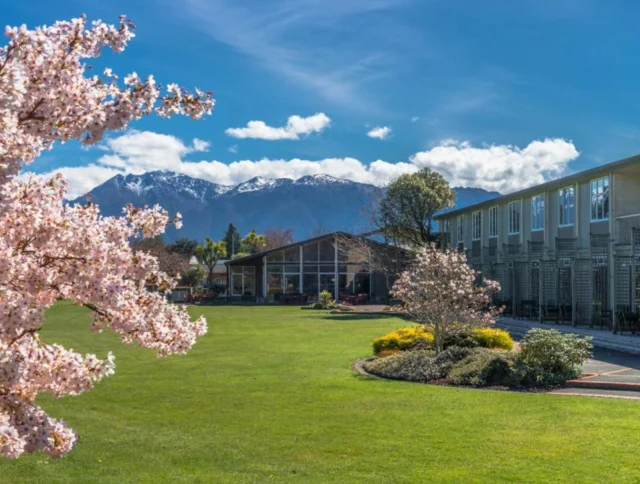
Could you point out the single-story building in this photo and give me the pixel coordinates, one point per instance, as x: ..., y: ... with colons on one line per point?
x: 219, y: 272
x: 310, y: 266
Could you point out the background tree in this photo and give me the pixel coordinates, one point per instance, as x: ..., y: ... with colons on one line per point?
x: 383, y: 257
x: 233, y: 239
x: 253, y: 242
x: 406, y: 211
x: 173, y: 263
x: 183, y: 246
x: 439, y: 290
x: 51, y: 250
x: 277, y: 237
x: 193, y: 276
x: 209, y: 254
x: 318, y: 230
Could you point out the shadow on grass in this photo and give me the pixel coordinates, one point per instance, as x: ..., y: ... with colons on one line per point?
x: 359, y: 317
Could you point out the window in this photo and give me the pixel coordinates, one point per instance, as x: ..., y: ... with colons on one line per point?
x: 566, y: 203
x: 514, y: 217
x: 600, y: 199
x: 493, y: 222
x: 537, y: 213
x: 460, y: 228
x: 476, y: 225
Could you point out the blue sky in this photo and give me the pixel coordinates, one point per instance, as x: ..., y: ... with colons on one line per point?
x: 497, y: 94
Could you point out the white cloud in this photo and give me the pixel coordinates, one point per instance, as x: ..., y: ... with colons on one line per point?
x: 380, y: 132
x: 295, y: 127
x: 414, y: 119
x: 200, y: 145
x: 503, y: 168
x: 233, y: 149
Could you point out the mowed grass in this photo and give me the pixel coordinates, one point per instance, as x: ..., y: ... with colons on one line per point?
x: 268, y: 396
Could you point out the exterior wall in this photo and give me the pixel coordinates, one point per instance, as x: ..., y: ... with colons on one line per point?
x: 626, y: 193
x: 583, y: 215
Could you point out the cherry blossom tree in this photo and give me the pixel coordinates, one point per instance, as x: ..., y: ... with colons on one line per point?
x: 441, y: 291
x: 51, y: 250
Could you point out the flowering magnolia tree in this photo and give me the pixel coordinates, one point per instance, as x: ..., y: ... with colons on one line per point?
x: 439, y: 290
x: 50, y: 250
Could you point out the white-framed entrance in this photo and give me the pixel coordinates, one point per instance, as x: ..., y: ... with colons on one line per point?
x: 243, y: 281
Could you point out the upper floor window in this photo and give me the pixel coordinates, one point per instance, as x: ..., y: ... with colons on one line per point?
x: 493, y: 222
x: 514, y: 217
x: 460, y: 228
x: 476, y: 225
x: 537, y: 213
x: 600, y: 199
x: 566, y: 204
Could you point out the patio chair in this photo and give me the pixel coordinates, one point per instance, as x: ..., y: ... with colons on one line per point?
x: 603, y: 318
x: 626, y: 320
x: 550, y: 312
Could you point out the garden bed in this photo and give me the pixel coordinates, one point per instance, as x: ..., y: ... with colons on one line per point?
x: 479, y: 358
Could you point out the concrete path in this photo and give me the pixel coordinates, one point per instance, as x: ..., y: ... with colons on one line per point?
x: 610, y: 373
x: 601, y: 338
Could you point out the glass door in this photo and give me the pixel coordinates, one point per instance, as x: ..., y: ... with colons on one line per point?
x: 237, y: 286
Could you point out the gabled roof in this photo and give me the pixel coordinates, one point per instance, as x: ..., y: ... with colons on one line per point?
x: 551, y: 185
x: 294, y: 244
x: 303, y: 242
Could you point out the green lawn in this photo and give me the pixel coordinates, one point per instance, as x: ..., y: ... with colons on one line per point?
x: 268, y: 396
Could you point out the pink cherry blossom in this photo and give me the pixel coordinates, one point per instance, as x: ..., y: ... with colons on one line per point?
x: 51, y: 250
x: 442, y: 291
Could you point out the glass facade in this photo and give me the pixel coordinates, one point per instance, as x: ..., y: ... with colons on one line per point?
x: 243, y: 281
x: 322, y: 268
x: 514, y: 217
x: 537, y: 213
x: 566, y: 203
x: 600, y: 199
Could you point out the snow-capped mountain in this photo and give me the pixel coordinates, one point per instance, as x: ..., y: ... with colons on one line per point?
x: 207, y: 208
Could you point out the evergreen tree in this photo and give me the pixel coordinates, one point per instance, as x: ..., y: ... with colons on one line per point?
x: 233, y: 240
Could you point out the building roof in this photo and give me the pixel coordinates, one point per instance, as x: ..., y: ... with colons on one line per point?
x: 551, y: 185
x: 284, y: 247
x: 301, y: 242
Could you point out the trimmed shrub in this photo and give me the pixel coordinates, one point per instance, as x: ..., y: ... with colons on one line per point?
x: 415, y: 366
x: 463, y: 338
x: 549, y: 358
x: 493, y: 338
x: 482, y: 368
x: 384, y: 353
x: 401, y: 339
x: 446, y: 359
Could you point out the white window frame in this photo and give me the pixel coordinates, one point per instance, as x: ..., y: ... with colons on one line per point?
x: 511, y: 227
x: 540, y: 216
x: 493, y: 222
x: 562, y: 205
x: 476, y: 225
x: 460, y: 229
x: 599, y: 182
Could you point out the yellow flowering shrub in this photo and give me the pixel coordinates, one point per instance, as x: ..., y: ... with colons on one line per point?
x: 493, y: 338
x: 400, y: 339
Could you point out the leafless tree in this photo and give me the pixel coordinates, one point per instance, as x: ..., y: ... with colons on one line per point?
x: 277, y: 237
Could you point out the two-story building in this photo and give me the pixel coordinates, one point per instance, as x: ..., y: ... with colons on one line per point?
x: 562, y: 250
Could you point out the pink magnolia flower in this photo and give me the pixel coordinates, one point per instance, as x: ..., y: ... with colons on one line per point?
x: 439, y: 290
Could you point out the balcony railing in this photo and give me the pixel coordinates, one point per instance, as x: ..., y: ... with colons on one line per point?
x: 624, y: 226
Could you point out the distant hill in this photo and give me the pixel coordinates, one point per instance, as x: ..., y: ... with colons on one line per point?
x: 260, y: 203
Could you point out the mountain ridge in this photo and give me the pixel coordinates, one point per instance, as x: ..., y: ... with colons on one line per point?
x: 207, y: 208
